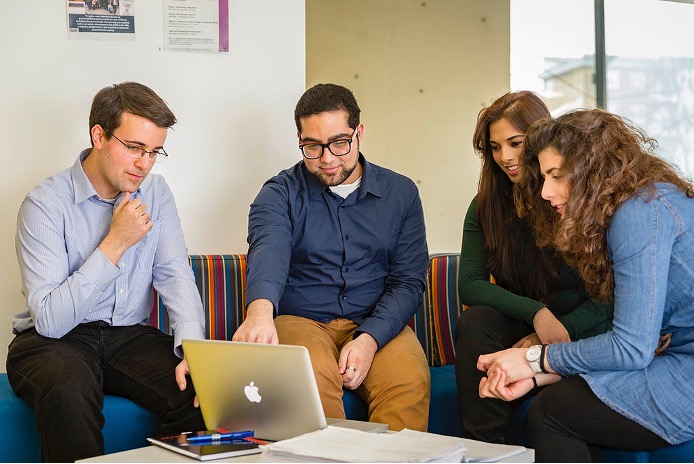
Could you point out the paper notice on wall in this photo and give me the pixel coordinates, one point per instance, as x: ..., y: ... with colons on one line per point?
x: 196, y: 25
x: 101, y: 19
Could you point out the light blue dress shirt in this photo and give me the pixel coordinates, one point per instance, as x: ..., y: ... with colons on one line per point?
x: 67, y: 280
x: 652, y: 248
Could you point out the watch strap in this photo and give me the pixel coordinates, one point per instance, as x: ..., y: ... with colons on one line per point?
x: 543, y: 350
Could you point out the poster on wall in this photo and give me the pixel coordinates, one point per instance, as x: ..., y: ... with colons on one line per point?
x: 196, y: 25
x: 101, y: 19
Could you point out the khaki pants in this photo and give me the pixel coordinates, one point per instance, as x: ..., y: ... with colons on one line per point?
x: 397, y: 387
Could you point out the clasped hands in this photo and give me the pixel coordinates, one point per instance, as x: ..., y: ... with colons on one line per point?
x: 509, y: 375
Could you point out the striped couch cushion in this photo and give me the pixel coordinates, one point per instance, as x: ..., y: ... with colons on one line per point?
x: 420, y: 325
x: 443, y: 307
x: 221, y: 280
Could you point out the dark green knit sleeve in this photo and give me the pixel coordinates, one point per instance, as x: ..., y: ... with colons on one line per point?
x: 591, y: 318
x: 474, y: 287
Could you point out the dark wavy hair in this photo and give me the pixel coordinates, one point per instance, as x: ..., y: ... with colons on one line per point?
x: 509, y: 241
x: 606, y: 161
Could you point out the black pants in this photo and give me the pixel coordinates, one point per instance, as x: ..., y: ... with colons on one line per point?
x: 567, y: 420
x: 64, y: 380
x: 483, y: 330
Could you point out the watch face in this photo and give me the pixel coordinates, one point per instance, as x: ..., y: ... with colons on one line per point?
x: 533, y: 353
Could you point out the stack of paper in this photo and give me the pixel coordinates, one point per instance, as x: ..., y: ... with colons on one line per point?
x: 479, y: 451
x: 337, y: 444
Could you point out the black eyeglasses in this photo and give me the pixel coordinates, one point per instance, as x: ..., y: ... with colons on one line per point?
x: 339, y: 147
x: 136, y: 152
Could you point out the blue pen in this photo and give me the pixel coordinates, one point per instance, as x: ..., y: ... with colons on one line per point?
x: 215, y: 437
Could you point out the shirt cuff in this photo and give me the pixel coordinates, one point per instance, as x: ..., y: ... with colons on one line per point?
x: 188, y: 330
x: 376, y: 330
x: 99, y: 269
x: 265, y: 290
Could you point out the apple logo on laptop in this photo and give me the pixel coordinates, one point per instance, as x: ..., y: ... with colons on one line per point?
x: 251, y: 392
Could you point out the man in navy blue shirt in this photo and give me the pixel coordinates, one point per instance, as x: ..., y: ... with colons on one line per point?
x: 338, y: 253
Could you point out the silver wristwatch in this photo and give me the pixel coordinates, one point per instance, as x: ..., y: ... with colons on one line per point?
x: 533, y: 357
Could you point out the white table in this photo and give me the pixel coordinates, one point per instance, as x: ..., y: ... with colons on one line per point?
x: 157, y: 454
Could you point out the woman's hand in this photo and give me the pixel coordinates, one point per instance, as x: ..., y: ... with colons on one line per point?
x: 494, y: 386
x: 528, y: 341
x: 549, y: 329
x: 512, y: 361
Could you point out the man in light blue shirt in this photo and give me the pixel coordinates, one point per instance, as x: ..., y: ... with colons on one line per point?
x: 91, y: 242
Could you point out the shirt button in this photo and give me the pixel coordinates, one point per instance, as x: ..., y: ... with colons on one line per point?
x: 346, y: 237
x: 121, y: 291
x: 346, y: 269
x: 344, y: 297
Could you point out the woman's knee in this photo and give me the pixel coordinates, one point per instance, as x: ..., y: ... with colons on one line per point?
x: 478, y: 318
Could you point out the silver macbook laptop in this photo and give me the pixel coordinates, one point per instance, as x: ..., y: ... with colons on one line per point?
x: 270, y: 389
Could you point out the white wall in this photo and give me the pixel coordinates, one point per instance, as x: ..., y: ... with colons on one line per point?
x: 421, y: 71
x: 235, y: 113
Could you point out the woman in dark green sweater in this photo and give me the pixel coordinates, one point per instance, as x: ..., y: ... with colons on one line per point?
x: 536, y: 298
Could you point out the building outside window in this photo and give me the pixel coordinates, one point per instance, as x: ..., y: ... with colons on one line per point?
x: 649, y: 60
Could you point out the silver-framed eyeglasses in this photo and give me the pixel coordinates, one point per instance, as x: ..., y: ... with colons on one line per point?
x: 136, y: 152
x: 339, y: 147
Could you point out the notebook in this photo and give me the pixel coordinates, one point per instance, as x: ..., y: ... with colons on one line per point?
x: 206, y: 451
x: 270, y: 389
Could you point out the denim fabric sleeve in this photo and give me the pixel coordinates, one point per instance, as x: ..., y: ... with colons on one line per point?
x: 640, y: 240
x: 173, y: 277
x: 269, y: 243
x: 406, y: 279
x: 57, y: 299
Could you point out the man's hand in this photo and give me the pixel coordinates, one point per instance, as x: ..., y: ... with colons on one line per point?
x: 549, y: 329
x: 181, y: 372
x: 528, y: 341
x: 259, y: 326
x: 130, y: 222
x: 355, y: 360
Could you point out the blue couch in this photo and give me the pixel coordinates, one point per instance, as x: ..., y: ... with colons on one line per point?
x: 221, y: 282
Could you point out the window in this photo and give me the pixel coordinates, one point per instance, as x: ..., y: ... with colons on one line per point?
x: 649, y: 63
x: 649, y: 42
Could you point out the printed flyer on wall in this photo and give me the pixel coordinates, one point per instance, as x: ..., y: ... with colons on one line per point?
x: 101, y: 19
x: 196, y: 25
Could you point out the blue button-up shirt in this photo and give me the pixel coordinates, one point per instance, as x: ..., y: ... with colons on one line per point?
x: 67, y: 280
x: 651, y: 244
x: 316, y: 255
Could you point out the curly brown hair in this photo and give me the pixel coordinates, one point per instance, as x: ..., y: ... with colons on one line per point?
x: 606, y: 161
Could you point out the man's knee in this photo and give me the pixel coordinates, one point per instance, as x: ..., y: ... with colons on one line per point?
x: 401, y: 366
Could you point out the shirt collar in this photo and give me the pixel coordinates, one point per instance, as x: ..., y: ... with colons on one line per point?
x: 369, y: 181
x: 81, y: 183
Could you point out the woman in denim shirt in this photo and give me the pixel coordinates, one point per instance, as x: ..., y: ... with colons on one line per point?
x: 625, y: 219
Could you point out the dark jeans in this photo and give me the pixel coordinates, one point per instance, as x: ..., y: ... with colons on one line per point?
x: 64, y: 380
x: 483, y: 330
x: 567, y: 420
